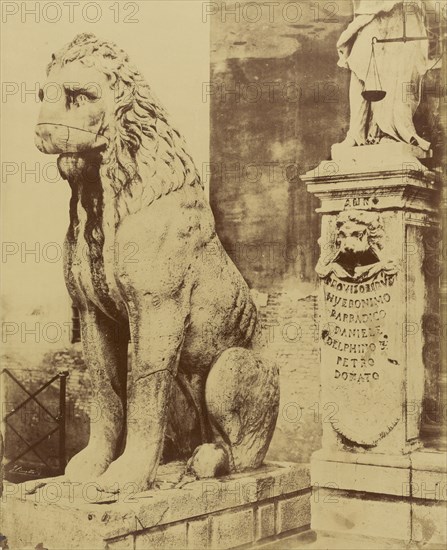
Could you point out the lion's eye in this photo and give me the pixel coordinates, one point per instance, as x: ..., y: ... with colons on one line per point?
x: 41, y: 94
x: 78, y: 98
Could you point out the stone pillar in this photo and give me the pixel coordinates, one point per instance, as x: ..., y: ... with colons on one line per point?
x: 379, y: 206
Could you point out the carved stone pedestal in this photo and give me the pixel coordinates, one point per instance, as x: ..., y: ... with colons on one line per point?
x: 379, y: 208
x: 241, y: 509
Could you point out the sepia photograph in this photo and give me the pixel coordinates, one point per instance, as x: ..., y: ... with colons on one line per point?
x: 223, y: 284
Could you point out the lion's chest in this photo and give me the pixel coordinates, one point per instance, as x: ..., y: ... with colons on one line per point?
x: 91, y: 264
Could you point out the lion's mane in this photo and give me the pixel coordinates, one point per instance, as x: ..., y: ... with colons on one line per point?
x: 146, y: 157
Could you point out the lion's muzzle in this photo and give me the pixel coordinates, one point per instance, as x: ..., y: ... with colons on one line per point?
x: 59, y: 138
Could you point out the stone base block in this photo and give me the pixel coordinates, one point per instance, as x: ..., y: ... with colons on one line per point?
x: 180, y: 513
x: 395, y: 497
x: 349, y: 512
x: 384, y: 153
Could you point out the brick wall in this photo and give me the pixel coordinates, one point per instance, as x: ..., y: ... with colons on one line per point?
x: 231, y: 528
x: 290, y: 327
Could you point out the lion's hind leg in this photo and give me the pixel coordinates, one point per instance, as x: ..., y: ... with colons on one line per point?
x: 242, y: 400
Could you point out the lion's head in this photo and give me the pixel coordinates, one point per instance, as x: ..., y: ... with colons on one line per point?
x: 358, y: 230
x: 358, y: 238
x: 98, y: 111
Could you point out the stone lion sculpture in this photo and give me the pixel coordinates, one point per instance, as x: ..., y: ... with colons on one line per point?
x: 143, y: 262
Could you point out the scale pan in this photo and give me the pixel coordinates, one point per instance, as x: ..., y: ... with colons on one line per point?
x: 373, y: 95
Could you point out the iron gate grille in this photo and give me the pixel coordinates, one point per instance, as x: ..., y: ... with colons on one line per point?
x: 13, y: 471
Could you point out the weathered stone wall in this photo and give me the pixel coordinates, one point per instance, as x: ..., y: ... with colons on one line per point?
x: 278, y: 102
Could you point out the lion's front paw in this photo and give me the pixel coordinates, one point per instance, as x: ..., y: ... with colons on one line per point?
x: 88, y: 464
x: 126, y: 476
